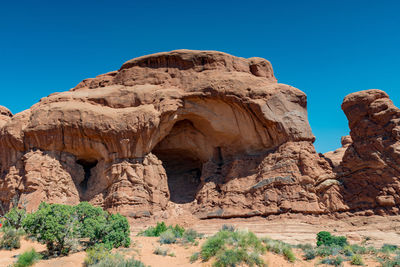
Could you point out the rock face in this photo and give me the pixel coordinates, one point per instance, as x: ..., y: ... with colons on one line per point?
x: 370, y: 168
x: 201, y: 132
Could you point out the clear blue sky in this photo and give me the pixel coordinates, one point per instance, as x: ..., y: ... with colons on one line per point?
x: 325, y: 48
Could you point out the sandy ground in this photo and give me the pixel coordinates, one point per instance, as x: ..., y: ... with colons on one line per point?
x: 378, y: 229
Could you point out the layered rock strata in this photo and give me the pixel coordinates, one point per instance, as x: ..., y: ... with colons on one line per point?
x: 201, y: 131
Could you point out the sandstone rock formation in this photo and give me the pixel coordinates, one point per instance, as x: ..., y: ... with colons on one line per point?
x: 197, y: 131
x: 5, y: 115
x: 369, y: 171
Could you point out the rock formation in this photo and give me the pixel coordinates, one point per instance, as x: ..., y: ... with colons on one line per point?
x: 197, y: 131
x: 369, y: 171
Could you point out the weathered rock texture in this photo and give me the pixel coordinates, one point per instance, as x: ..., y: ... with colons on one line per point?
x: 200, y: 131
x: 369, y: 171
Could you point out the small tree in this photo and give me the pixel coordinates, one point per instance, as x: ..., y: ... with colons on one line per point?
x: 54, y: 225
x: 14, y: 218
x: 325, y: 238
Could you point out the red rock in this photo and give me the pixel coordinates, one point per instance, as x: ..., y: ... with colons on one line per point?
x: 198, y: 132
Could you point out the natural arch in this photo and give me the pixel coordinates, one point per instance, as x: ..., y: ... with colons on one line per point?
x: 181, y: 155
x: 183, y: 172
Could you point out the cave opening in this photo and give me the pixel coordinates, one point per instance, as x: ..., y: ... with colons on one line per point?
x: 183, y: 174
x: 181, y: 153
x: 87, y: 165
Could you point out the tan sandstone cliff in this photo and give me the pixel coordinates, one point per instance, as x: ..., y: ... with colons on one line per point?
x: 201, y: 132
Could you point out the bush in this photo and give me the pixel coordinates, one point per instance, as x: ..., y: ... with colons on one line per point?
x: 161, y: 251
x: 101, y: 256
x: 167, y: 237
x: 356, y: 260
x: 325, y: 238
x: 324, y: 251
x: 161, y: 228
x: 60, y: 226
x: 117, y: 231
x: 14, y: 218
x: 233, y: 248
x: 309, y: 254
x: 388, y: 248
x: 96, y: 254
x: 101, y: 227
x: 356, y: 249
x: 228, y: 227
x: 53, y: 225
x: 304, y: 246
x: 289, y: 255
x: 190, y: 236
x: 27, y: 258
x: 280, y: 247
x: 10, y: 239
x: 336, y: 261
x: 390, y: 262
x: 194, y: 257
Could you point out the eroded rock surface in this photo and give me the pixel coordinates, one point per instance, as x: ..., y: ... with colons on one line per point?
x: 370, y: 166
x: 197, y: 131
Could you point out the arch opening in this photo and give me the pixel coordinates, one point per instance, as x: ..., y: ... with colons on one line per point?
x: 181, y: 153
x: 87, y: 166
x: 183, y: 172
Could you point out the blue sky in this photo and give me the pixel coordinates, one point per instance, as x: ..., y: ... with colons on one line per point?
x: 325, y: 48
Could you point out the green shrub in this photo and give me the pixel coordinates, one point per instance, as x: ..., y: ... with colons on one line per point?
x: 96, y: 254
x: 233, y: 248
x: 388, y: 248
x: 117, y: 231
x: 213, y: 245
x: 27, y: 258
x: 194, y: 257
x: 60, y: 227
x: 325, y: 238
x: 324, y: 251
x: 356, y: 249
x: 101, y: 227
x: 395, y: 262
x: 14, y: 218
x: 289, y: 255
x: 356, y: 260
x: 178, y: 231
x: 336, y: 261
x: 52, y: 224
x: 228, y: 227
x: 92, y: 222
x: 161, y: 228
x: 11, y: 239
x: 309, y: 254
x: 101, y: 256
x: 304, y: 246
x: 154, y: 231
x: 161, y: 251
x: 279, y: 247
x: 190, y: 236
x: 117, y: 260
x: 167, y: 237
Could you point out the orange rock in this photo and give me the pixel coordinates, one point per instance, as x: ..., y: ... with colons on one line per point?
x: 201, y: 132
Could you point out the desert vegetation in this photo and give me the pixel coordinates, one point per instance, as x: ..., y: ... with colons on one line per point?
x: 65, y: 229
x: 101, y: 256
x: 172, y: 234
x: 335, y: 250
x: 231, y: 247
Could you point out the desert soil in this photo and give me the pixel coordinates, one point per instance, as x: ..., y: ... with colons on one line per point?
x: 379, y: 230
